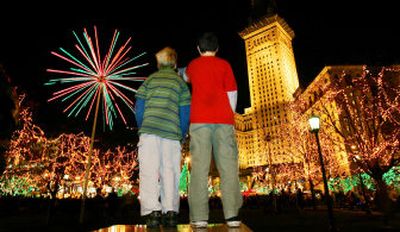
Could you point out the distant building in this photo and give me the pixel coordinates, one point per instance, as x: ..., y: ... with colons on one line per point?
x: 273, y: 83
x: 313, y: 98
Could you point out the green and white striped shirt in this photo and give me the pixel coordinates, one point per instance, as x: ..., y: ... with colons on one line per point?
x: 164, y: 92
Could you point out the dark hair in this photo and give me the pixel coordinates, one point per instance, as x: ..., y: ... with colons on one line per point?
x: 208, y: 42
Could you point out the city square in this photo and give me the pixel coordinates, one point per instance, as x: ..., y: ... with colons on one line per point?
x: 318, y: 143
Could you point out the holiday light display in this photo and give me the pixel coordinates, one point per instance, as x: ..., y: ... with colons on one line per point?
x: 38, y: 166
x: 96, y: 79
x: 369, y: 124
x: 54, y: 167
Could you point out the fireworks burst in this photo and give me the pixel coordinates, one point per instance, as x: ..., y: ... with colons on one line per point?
x: 96, y: 76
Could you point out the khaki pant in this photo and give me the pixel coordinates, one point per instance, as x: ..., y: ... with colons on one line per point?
x: 220, y: 140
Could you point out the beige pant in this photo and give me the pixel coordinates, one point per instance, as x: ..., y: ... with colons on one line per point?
x: 220, y: 140
x: 159, y: 172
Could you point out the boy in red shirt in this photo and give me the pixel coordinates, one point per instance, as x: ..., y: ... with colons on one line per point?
x: 214, y: 97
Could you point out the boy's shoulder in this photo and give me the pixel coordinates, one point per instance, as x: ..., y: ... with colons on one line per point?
x: 202, y: 59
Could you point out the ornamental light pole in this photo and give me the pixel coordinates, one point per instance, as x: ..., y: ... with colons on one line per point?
x: 314, y: 128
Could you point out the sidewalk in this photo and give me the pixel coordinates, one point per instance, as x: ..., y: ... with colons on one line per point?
x: 17, y: 216
x: 179, y: 228
x: 309, y: 220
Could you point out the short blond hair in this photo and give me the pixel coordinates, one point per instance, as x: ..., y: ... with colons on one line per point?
x: 166, y: 57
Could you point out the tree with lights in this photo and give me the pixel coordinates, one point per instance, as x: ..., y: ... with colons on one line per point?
x: 23, y: 157
x: 303, y: 156
x: 55, y: 168
x: 369, y: 122
x: 117, y: 168
x: 8, y: 113
x: 96, y: 76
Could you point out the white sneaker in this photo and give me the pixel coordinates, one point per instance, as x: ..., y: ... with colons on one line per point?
x: 233, y: 222
x: 199, y: 224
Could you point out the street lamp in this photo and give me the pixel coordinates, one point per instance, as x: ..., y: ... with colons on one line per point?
x: 314, y: 128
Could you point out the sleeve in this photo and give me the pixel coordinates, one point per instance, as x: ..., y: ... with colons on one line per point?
x: 184, y: 108
x: 232, y: 96
x: 185, y: 97
x: 139, y: 108
x: 184, y: 113
x: 140, y: 103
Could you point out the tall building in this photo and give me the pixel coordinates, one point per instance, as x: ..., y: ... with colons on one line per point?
x: 273, y: 80
x: 263, y: 141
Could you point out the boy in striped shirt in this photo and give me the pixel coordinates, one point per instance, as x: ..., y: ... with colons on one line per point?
x: 162, y: 116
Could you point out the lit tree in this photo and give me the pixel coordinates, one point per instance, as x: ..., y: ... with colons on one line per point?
x: 37, y: 165
x: 369, y: 122
x: 297, y: 134
x: 117, y: 168
x: 23, y: 155
x: 8, y: 113
x: 69, y: 160
x: 303, y: 148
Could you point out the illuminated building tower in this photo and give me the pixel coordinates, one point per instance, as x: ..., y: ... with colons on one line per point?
x: 271, y: 136
x: 273, y: 80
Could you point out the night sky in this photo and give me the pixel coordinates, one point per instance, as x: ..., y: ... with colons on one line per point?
x: 327, y: 33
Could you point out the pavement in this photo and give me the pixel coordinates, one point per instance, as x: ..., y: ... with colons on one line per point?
x: 219, y: 227
x: 65, y: 217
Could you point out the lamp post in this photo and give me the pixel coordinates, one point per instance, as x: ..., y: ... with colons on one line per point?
x: 314, y: 128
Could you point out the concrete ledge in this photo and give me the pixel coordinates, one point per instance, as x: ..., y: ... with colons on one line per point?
x: 180, y: 228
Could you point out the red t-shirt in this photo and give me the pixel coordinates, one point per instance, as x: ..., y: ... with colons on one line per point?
x: 211, y: 78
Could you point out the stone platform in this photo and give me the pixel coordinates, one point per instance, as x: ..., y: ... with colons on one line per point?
x: 180, y: 228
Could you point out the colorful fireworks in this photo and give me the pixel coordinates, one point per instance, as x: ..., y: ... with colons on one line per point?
x: 96, y: 76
